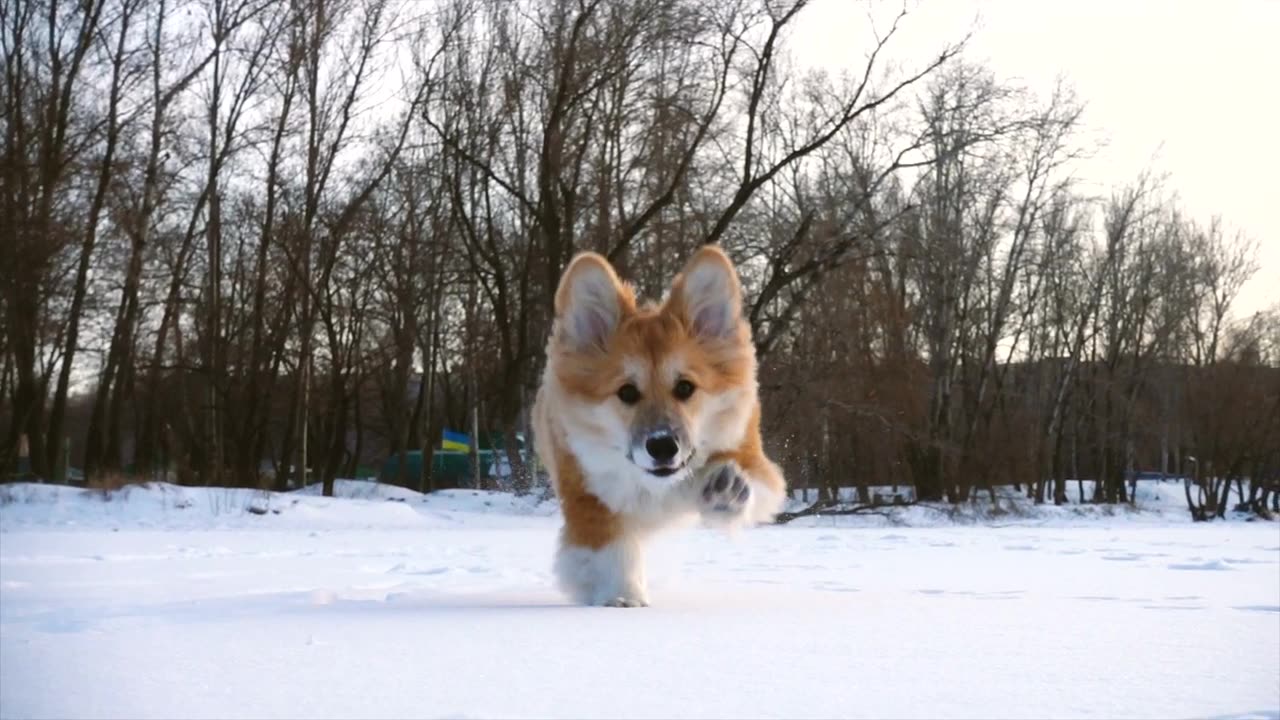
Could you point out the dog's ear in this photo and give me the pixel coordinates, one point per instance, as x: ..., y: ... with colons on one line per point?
x: 708, y: 296
x: 590, y: 302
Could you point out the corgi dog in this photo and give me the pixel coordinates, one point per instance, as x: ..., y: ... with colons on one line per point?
x: 648, y: 415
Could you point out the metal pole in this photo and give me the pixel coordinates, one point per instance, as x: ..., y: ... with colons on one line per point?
x: 306, y: 415
x: 475, y: 443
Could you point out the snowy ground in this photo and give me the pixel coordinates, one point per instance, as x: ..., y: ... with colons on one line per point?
x: 171, y: 602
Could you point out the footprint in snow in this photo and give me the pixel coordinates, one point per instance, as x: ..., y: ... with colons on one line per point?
x: 1258, y: 608
x: 1209, y: 565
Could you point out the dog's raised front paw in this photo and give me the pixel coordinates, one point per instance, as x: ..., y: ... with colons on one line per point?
x: 726, y: 491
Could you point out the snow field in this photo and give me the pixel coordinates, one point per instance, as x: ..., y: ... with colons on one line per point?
x: 444, y: 607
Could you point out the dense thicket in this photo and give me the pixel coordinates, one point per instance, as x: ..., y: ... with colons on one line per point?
x: 219, y: 218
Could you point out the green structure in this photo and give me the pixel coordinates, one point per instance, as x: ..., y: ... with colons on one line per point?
x: 451, y: 468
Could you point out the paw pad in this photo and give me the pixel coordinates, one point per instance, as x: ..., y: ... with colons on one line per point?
x: 726, y: 491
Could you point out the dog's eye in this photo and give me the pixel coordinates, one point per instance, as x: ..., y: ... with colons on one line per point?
x: 629, y: 394
x: 684, y: 390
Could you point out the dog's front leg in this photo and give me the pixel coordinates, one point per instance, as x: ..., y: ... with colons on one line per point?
x: 733, y: 493
x: 611, y: 575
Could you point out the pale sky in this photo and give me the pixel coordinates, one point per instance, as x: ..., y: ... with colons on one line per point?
x: 1183, y: 88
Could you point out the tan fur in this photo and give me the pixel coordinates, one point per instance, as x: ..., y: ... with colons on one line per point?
x: 587, y: 521
x: 750, y: 456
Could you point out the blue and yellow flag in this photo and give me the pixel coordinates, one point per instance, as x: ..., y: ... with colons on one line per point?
x: 455, y: 441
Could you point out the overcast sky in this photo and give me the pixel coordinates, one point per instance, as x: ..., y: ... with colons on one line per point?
x: 1183, y: 88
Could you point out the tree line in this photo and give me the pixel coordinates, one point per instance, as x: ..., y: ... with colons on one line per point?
x: 234, y: 233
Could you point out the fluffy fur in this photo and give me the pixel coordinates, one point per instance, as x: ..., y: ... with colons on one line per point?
x: 647, y: 416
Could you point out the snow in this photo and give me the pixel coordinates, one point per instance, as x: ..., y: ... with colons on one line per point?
x: 357, y: 504
x: 181, y: 602
x: 1159, y: 503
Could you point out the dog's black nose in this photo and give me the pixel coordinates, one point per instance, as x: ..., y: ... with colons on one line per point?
x: 662, y: 448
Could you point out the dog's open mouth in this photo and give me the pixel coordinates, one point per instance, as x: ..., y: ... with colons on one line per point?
x: 663, y: 472
x: 667, y: 470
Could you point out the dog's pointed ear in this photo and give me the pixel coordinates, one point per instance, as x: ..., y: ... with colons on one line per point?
x: 708, y: 295
x: 590, y: 302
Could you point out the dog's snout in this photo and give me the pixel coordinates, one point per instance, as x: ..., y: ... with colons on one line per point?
x: 662, y: 446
